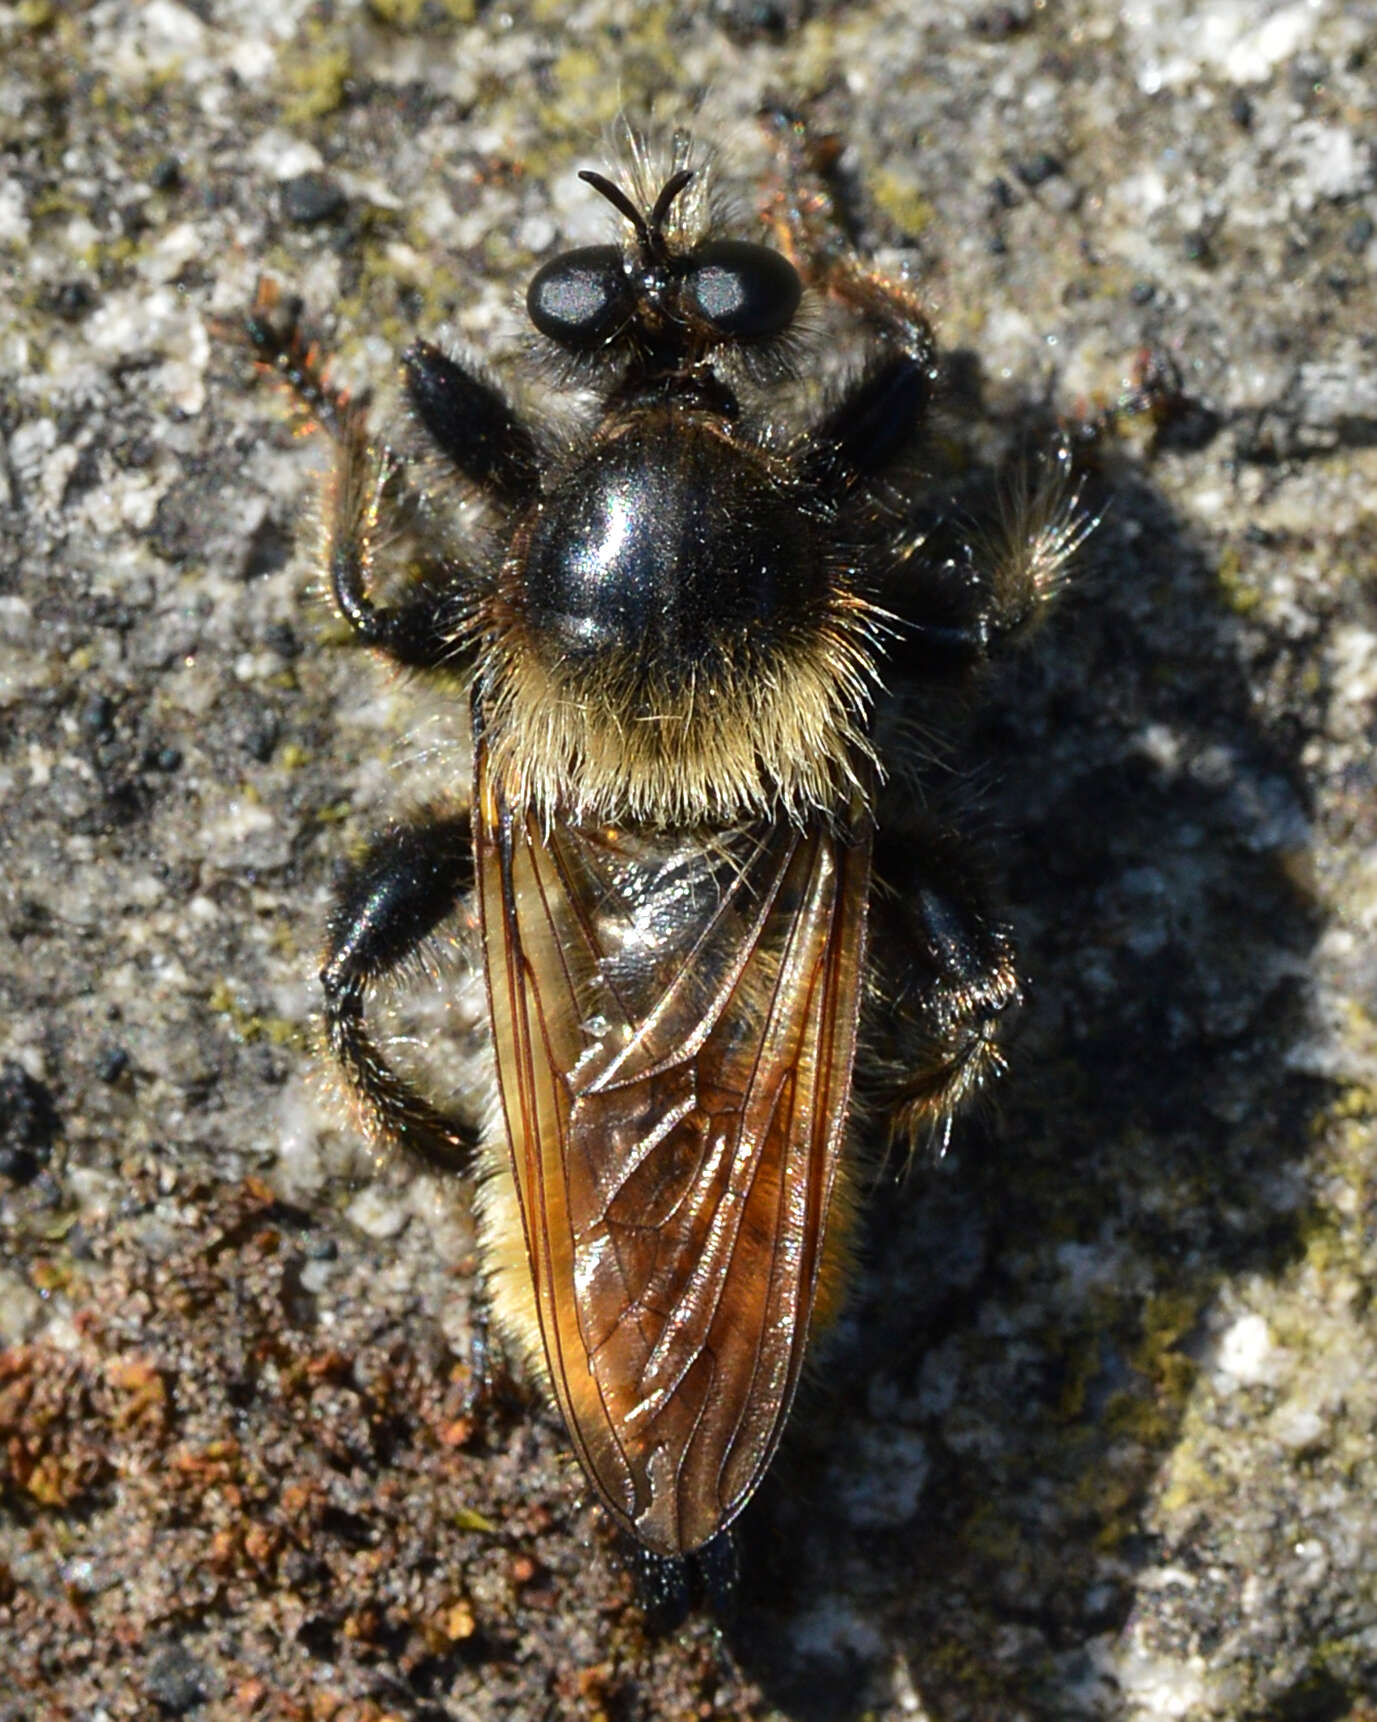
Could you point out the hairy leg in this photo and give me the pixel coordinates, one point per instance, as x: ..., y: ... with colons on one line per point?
x: 959, y: 600
x: 472, y: 424
x: 942, y: 979
x: 386, y: 907
x: 274, y: 333
x: 808, y: 228
x: 424, y: 628
x: 878, y: 418
x: 965, y: 587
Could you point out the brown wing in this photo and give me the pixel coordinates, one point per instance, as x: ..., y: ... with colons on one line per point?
x: 675, y: 1025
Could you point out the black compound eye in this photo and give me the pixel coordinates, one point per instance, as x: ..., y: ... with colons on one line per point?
x: 581, y: 298
x: 742, y: 289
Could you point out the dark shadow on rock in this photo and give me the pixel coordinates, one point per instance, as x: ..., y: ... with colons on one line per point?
x: 959, y: 1500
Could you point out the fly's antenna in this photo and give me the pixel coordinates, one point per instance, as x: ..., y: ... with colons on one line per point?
x: 664, y: 202
x: 650, y: 234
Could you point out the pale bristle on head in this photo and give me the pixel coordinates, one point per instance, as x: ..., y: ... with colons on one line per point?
x: 643, y: 161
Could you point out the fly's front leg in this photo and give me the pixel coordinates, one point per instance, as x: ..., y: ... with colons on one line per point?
x: 877, y: 420
x: 389, y: 903
x: 942, y: 981
x: 274, y: 332
x: 424, y: 629
x: 965, y: 589
x: 809, y: 230
x: 472, y: 424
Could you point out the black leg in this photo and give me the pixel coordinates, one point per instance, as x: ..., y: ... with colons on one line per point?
x: 471, y: 424
x: 874, y: 423
x: 411, y: 878
x: 273, y: 330
x: 809, y: 230
x: 425, y: 630
x: 965, y: 586
x: 943, y: 977
x: 878, y: 419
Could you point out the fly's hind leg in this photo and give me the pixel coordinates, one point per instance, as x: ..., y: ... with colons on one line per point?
x: 942, y: 982
x: 387, y: 906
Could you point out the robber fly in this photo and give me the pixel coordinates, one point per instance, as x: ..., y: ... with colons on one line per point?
x: 696, y: 893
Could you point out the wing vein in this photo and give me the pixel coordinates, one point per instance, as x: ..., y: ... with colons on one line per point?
x: 673, y: 1019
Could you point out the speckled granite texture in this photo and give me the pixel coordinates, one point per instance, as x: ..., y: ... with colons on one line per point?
x: 1096, y: 1436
